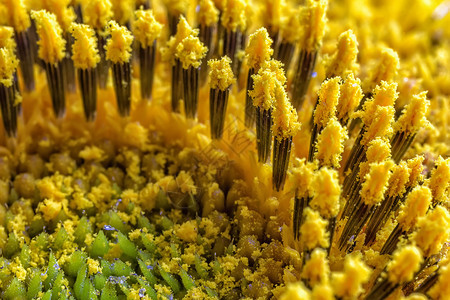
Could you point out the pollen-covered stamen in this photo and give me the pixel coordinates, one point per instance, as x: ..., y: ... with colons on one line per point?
x: 416, y: 168
x: 168, y: 53
x: 386, y: 70
x: 221, y: 78
x: 316, y: 270
x: 234, y: 21
x: 325, y: 110
x: 272, y: 16
x: 405, y: 263
x: 439, y: 180
x: 18, y: 18
x: 378, y: 150
x: 410, y: 122
x: 8, y: 90
x: 123, y: 12
x: 401, y: 183
x: 440, y: 290
x: 52, y: 51
x: 303, y: 178
x: 330, y: 144
x: 258, y: 51
x: 285, y: 127
x: 86, y: 58
x: 97, y: 14
x: 265, y: 83
x: 146, y: 30
x: 349, y: 282
x: 65, y: 15
x: 415, y: 207
x: 371, y: 194
x: 175, y: 10
x: 208, y: 16
x: 313, y: 232
x: 396, y: 191
x: 118, y: 52
x: 377, y: 117
x: 190, y: 52
x: 350, y: 97
x: 263, y: 95
x: 7, y: 38
x: 288, y: 36
x: 433, y: 231
x: 343, y: 60
x: 312, y: 20
x: 326, y: 197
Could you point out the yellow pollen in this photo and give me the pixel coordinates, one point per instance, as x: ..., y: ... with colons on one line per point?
x: 145, y: 28
x: 312, y: 22
x: 84, y: 49
x: 221, y: 74
x: 97, y: 13
x: 328, y: 99
x: 234, y: 15
x: 259, y: 49
x: 208, y: 14
x: 51, y: 44
x: 118, y: 47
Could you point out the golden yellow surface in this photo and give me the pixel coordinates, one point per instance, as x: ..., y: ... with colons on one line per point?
x: 350, y: 96
x: 285, y: 120
x: 344, y: 59
x: 328, y: 99
x: 442, y: 289
x: 416, y: 206
x: 118, y: 47
x: 234, y: 15
x: 378, y: 124
x: 63, y: 12
x: 7, y: 37
x: 313, y: 18
x: 405, y: 262
x: 440, y: 177
x: 84, y: 49
x: 378, y: 150
x: 14, y: 13
x: 145, y: 28
x: 123, y: 10
x: 327, y: 192
x: 190, y: 51
x: 330, y: 144
x: 303, y: 175
x: 51, y: 44
x: 386, y: 70
x: 399, y: 178
x: 296, y: 291
x: 97, y: 13
x: 258, y: 49
x: 314, y: 230
x: 176, y: 7
x: 290, y: 24
x: 433, y: 231
x: 349, y: 282
x: 183, y: 30
x: 414, y: 114
x: 220, y: 75
x: 263, y: 90
x: 375, y: 182
x: 208, y: 14
x: 8, y: 65
x: 411, y: 28
x: 316, y: 269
